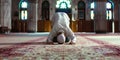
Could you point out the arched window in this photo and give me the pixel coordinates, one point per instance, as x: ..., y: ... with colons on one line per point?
x: 92, y: 6
x: 23, y: 13
x: 109, y: 11
x: 81, y: 10
x: 63, y: 4
x: 45, y: 10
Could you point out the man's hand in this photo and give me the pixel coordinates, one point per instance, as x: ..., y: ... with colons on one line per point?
x: 72, y: 42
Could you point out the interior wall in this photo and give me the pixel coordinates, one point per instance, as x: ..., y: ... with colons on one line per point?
x: 119, y: 15
x: 5, y: 13
x: 0, y: 13
x: 15, y: 9
x: 116, y: 10
x: 35, y: 12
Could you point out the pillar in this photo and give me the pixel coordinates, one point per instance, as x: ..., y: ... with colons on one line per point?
x: 5, y: 13
x: 100, y: 24
x: 32, y: 16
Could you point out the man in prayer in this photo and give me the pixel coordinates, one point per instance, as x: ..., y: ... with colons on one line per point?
x: 61, y: 31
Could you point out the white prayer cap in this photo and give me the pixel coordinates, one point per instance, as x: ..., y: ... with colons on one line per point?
x: 61, y: 38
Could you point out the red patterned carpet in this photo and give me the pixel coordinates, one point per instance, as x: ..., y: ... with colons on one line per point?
x: 33, y: 47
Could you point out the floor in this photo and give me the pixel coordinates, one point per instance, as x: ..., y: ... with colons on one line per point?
x: 32, y: 46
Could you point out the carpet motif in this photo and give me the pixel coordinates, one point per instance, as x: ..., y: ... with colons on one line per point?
x: 49, y: 52
x: 80, y: 51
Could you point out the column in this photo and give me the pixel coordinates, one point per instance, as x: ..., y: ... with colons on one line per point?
x: 119, y: 16
x: 0, y: 13
x: 5, y: 13
x: 32, y: 17
x: 100, y: 16
x: 116, y: 16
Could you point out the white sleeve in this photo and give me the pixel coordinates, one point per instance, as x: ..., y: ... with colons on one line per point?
x: 70, y: 35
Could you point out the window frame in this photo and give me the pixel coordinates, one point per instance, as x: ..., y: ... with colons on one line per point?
x: 81, y: 10
x: 45, y: 10
x: 59, y: 2
x: 109, y: 16
x: 24, y: 15
x: 92, y: 12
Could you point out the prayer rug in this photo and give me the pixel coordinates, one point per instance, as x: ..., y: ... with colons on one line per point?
x: 88, y: 47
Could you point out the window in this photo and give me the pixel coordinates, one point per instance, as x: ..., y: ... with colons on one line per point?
x: 23, y: 15
x: 24, y: 4
x: 81, y: 10
x: 92, y: 6
x: 45, y: 10
x: 109, y: 13
x: 63, y: 4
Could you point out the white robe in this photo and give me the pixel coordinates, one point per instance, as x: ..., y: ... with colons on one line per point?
x: 61, y: 21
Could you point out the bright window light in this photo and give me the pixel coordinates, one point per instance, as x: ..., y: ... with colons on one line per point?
x: 92, y: 5
x: 108, y: 11
x: 24, y: 15
x: 109, y: 15
x: 63, y: 4
x: 92, y: 14
x: 108, y: 5
x: 24, y: 4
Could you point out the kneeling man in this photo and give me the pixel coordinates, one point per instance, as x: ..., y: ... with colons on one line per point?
x: 61, y: 31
